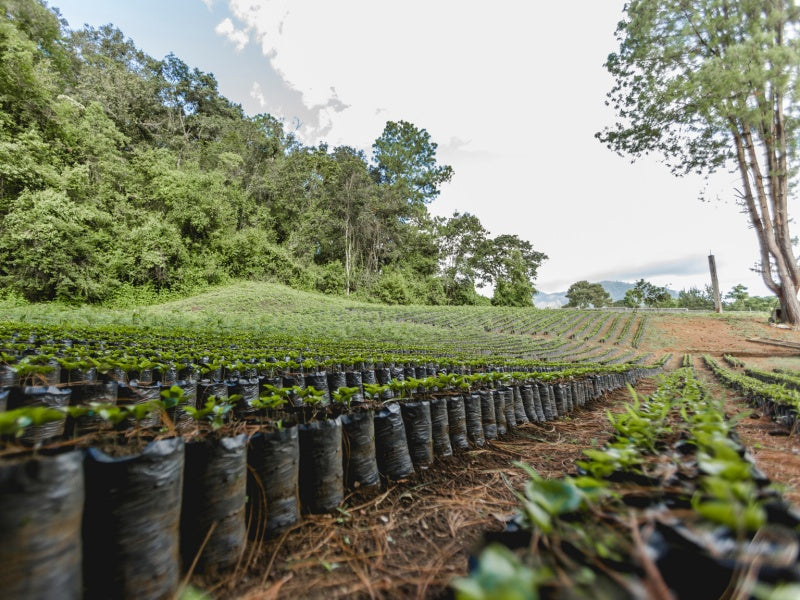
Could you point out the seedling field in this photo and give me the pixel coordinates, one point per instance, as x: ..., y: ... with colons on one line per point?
x: 260, y: 441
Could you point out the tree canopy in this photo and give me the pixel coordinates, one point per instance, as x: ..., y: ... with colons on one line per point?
x: 711, y: 84
x: 740, y: 299
x: 583, y: 294
x: 405, y: 160
x: 644, y: 293
x: 695, y: 298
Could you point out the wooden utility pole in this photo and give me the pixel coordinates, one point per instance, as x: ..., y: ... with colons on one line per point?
x: 712, y: 266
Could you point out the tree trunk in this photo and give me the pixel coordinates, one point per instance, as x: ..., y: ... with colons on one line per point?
x: 766, y: 207
x: 790, y: 306
x: 348, y: 252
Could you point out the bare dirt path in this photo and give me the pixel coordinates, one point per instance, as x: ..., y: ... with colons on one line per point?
x: 775, y: 451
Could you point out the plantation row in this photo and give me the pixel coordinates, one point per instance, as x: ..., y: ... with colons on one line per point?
x: 171, y: 345
x: 768, y: 391
x: 140, y: 457
x: 291, y: 321
x: 671, y: 506
x: 34, y: 351
x: 572, y: 324
x: 788, y: 380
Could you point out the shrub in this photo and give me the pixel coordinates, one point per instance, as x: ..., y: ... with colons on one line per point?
x: 152, y: 253
x: 250, y: 254
x: 512, y: 293
x: 392, y: 287
x: 430, y: 291
x: 52, y: 248
x: 329, y: 278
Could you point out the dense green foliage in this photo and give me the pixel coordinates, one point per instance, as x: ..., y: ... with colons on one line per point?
x: 583, y: 294
x: 696, y: 298
x: 740, y: 299
x: 127, y: 177
x: 645, y: 293
x: 756, y: 389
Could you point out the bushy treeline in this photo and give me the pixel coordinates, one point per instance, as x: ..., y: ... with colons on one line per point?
x: 583, y: 294
x: 123, y: 176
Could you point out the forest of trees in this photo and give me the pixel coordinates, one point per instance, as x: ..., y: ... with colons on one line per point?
x: 125, y: 177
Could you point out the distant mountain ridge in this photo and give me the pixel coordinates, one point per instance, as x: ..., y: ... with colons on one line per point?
x: 616, y: 289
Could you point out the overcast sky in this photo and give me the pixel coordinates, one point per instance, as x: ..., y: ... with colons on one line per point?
x: 513, y: 93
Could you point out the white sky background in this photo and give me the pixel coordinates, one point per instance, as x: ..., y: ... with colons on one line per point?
x: 512, y: 92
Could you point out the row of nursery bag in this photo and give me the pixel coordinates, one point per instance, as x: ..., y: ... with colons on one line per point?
x: 128, y: 513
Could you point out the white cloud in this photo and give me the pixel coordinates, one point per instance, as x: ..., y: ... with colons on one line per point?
x: 513, y: 93
x: 258, y: 95
x: 239, y: 37
x: 453, y: 67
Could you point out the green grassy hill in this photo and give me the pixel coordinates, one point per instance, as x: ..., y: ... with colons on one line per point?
x: 280, y: 313
x: 292, y: 318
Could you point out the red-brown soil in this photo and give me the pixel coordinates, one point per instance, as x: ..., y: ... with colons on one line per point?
x: 703, y: 333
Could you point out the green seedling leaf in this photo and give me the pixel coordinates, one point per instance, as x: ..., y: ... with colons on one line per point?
x: 310, y: 395
x: 40, y: 415
x: 271, y: 402
x: 782, y: 591
x: 140, y: 411
x: 374, y: 390
x: 14, y: 422
x: 172, y: 396
x: 556, y: 496
x: 344, y: 395
x: 79, y: 411
x: 110, y: 412
x: 499, y: 576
